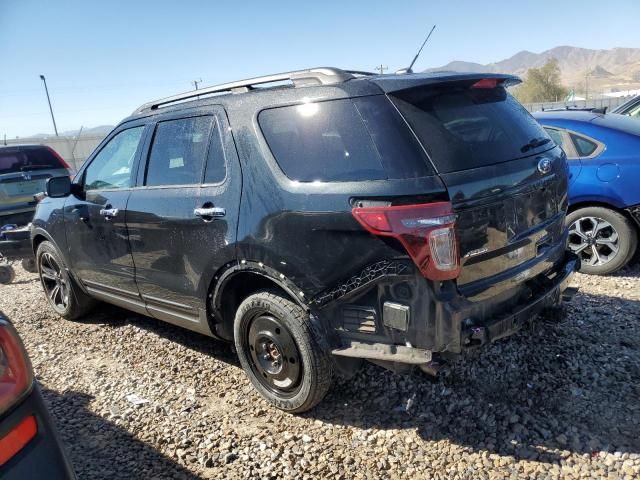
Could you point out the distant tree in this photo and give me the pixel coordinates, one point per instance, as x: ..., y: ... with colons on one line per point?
x: 542, y: 84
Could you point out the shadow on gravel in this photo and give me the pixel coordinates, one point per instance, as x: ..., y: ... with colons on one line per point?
x: 99, y: 449
x: 114, y: 317
x: 569, y: 385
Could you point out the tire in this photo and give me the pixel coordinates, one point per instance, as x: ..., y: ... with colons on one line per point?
x: 604, y: 239
x: 29, y: 265
x: 68, y: 300
x: 7, y: 274
x: 280, y: 352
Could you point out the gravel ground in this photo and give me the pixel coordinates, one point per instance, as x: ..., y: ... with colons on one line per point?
x: 560, y: 400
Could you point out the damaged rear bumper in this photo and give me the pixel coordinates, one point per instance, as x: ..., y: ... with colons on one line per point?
x: 557, y: 289
x: 468, y: 324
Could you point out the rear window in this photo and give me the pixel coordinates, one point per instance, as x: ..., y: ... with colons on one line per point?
x: 343, y: 140
x: 464, y: 128
x: 27, y: 159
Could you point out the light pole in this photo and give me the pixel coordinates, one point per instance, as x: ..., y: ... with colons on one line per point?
x: 49, y: 100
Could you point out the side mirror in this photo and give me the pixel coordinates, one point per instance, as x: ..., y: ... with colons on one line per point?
x: 58, y: 187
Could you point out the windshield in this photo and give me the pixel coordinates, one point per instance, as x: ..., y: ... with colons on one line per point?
x: 463, y: 128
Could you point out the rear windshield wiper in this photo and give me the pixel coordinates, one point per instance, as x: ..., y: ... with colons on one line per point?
x: 534, y: 143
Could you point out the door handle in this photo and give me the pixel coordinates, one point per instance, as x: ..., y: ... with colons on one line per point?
x: 109, y: 212
x: 210, y: 212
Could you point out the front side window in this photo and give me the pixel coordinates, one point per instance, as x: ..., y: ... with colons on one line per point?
x: 111, y: 167
x: 178, y: 151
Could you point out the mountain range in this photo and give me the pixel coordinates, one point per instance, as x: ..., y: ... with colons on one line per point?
x: 610, y: 70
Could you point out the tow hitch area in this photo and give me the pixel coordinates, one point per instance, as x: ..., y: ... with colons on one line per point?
x: 569, y: 293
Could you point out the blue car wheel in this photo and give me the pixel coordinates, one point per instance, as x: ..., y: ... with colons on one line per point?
x: 604, y: 239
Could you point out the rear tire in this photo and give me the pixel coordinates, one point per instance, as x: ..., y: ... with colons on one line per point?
x: 280, y: 352
x: 62, y: 293
x: 604, y: 239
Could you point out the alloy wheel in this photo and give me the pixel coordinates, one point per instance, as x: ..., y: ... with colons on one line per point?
x: 595, y: 240
x: 54, y: 281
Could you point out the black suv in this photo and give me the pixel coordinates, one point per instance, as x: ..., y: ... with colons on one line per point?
x: 329, y: 217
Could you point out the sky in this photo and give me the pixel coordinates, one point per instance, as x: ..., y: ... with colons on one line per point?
x: 102, y: 59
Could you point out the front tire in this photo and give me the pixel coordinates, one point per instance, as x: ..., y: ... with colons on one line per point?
x: 62, y: 293
x: 280, y: 352
x: 604, y: 239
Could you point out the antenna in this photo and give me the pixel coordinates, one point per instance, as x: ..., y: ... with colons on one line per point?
x: 408, y: 69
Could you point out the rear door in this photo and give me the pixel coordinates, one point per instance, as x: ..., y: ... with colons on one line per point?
x: 506, y: 179
x: 182, y: 216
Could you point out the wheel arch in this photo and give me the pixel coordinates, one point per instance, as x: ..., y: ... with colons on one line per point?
x: 596, y: 203
x: 229, y: 288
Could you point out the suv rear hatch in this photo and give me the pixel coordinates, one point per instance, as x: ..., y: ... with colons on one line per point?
x: 23, y: 173
x: 506, y: 179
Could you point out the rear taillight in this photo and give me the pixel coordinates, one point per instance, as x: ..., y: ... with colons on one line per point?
x: 17, y: 438
x: 16, y: 379
x: 426, y: 231
x: 15, y: 371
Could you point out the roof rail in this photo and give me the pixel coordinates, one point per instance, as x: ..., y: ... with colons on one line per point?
x: 313, y: 76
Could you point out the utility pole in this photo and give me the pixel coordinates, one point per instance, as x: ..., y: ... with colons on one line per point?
x: 381, y: 68
x: 196, y: 82
x: 49, y: 100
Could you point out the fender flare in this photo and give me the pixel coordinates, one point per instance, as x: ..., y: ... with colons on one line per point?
x: 256, y: 268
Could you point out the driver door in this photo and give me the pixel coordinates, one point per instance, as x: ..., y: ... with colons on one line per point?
x: 94, y: 217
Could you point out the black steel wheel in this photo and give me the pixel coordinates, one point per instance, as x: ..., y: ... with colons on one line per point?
x: 275, y: 358
x: 604, y: 239
x: 64, y: 296
x: 280, y: 351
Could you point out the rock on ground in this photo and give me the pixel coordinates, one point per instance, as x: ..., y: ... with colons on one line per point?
x: 558, y: 400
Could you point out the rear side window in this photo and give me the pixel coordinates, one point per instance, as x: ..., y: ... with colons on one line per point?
x: 343, y: 140
x: 178, y: 151
x: 583, y: 146
x: 27, y: 159
x: 463, y: 128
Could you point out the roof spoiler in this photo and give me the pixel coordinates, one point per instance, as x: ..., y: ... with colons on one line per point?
x: 396, y: 83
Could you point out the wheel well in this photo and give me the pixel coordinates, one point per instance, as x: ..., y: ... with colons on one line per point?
x: 37, y: 240
x: 621, y: 211
x: 232, y: 294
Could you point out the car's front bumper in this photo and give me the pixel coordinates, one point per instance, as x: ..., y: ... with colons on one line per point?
x: 43, y: 456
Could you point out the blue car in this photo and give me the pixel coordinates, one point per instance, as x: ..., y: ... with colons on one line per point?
x: 603, y: 153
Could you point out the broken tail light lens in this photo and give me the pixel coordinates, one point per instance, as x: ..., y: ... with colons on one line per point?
x: 426, y: 231
x: 15, y: 371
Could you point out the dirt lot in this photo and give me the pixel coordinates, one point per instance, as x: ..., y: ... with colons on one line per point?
x: 561, y: 400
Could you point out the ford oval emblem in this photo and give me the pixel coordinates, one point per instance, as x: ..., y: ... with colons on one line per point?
x: 544, y: 166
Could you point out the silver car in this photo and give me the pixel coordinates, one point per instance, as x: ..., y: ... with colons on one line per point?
x: 24, y: 169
